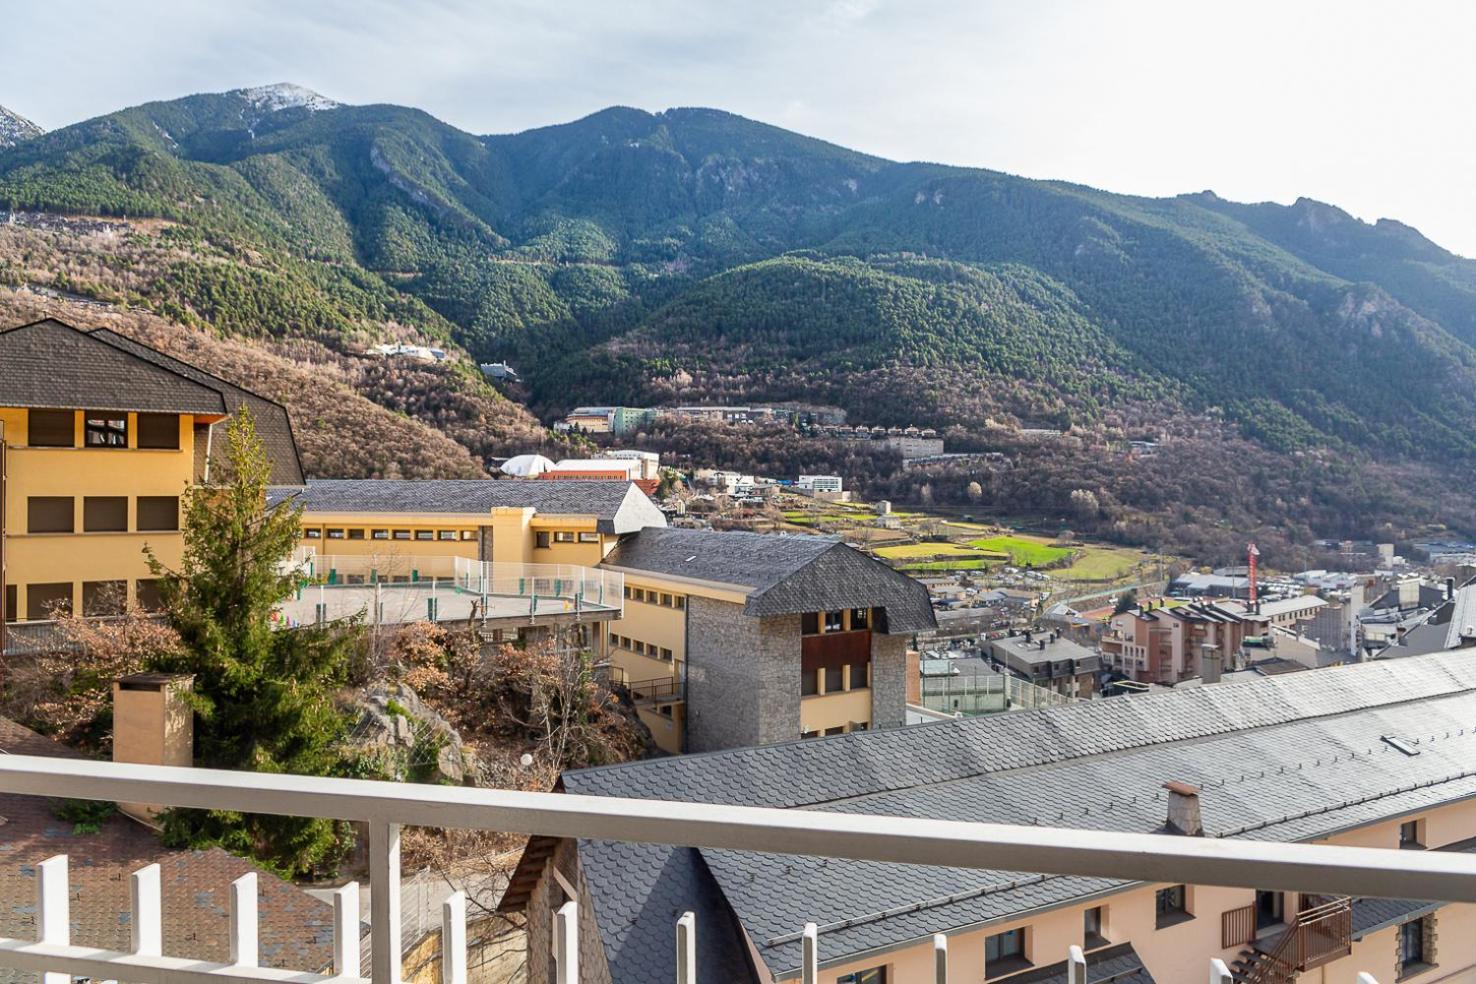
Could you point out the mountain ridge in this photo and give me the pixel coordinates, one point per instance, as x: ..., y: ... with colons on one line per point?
x: 694, y: 254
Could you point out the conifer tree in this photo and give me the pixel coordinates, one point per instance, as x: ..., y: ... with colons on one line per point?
x: 263, y: 696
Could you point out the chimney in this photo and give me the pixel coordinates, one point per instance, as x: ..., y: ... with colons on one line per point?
x: 1449, y: 588
x: 1183, y: 810
x: 153, y: 724
x: 1209, y: 664
x: 1027, y: 637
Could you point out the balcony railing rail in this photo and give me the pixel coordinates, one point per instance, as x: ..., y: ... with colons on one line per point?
x: 385, y: 807
x: 1237, y: 926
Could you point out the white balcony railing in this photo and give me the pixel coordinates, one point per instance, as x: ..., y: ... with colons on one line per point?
x: 385, y: 807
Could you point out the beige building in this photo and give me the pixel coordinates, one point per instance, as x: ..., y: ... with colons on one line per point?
x: 1309, y: 758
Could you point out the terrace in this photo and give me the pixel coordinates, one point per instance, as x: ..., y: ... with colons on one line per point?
x: 388, y: 589
x: 385, y: 808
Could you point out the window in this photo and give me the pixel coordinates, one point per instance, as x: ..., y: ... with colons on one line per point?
x: 629, y: 593
x: 834, y: 679
x: 468, y: 534
x: 666, y: 600
x: 1092, y: 927
x: 1409, y: 836
x: 876, y: 975
x: 105, y: 430
x: 541, y: 540
x: 425, y: 534
x: 859, y: 672
x: 50, y: 514
x: 445, y: 534
x: 589, y: 538
x: 639, y: 594
x: 379, y: 534
x: 1413, y: 955
x: 105, y: 514
x: 11, y: 614
x: 562, y: 537
x: 334, y: 534
x: 1171, y: 906
x: 667, y: 654
x: 402, y: 534
x: 810, y: 623
x: 839, y: 729
x: 312, y: 533
x: 809, y: 683
x: 147, y: 596
x: 1004, y: 951
x: 834, y: 622
x: 810, y: 734
x: 100, y: 598
x: 356, y: 534
x: 46, y: 601
x: 158, y: 431
x: 158, y: 512
x: 52, y: 429
x: 679, y: 602
x: 860, y: 618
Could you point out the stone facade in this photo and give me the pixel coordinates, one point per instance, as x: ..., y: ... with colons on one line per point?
x: 547, y: 896
x: 743, y: 676
x: 888, y: 680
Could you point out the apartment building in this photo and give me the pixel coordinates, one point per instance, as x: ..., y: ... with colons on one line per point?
x: 1047, y: 659
x: 101, y: 437
x: 731, y: 639
x: 1325, y: 758
x: 518, y: 521
x: 1165, y: 643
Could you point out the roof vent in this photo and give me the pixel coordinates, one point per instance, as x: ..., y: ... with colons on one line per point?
x: 1183, y: 810
x: 1405, y: 745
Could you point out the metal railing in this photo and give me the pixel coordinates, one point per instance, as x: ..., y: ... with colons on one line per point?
x: 986, y: 693
x: 385, y: 807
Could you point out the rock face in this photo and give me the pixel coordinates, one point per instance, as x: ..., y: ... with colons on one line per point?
x: 14, y: 128
x: 415, y: 743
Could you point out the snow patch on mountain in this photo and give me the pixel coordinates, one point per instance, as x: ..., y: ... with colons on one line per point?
x: 285, y: 95
x: 14, y: 128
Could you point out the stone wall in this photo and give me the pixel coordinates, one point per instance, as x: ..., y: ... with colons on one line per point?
x: 547, y: 896
x: 888, y: 680
x: 743, y: 677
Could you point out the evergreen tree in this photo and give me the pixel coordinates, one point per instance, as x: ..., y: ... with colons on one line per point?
x: 263, y: 697
x: 1126, y: 602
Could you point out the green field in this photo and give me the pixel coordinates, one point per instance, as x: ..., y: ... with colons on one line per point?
x: 961, y: 564
x: 903, y: 551
x: 1101, y: 564
x: 1023, y: 551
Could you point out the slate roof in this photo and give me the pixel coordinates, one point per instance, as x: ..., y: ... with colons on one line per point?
x: 621, y: 507
x: 784, y: 574
x: 296, y: 930
x: 273, y: 425
x: 1285, y: 758
x: 48, y: 364
x: 1112, y: 965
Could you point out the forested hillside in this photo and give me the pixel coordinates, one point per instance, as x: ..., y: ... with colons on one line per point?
x: 692, y: 255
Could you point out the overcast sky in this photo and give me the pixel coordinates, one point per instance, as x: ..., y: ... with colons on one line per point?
x: 1365, y: 105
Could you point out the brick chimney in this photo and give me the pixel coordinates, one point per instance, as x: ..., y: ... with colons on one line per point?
x: 153, y: 724
x: 1183, y: 810
x: 1209, y: 664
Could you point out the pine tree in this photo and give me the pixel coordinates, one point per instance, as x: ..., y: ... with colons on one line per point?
x: 263, y: 697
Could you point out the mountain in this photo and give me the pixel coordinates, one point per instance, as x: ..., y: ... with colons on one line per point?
x: 14, y: 128
x: 692, y: 254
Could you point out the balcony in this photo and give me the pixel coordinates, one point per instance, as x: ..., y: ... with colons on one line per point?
x: 387, y: 807
x: 389, y: 589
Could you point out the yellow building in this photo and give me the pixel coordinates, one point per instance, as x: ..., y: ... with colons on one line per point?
x: 1367, y: 755
x: 101, y: 438
x: 731, y: 639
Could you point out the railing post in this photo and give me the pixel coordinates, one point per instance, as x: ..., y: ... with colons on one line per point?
x: 566, y: 943
x: 811, y: 956
x: 384, y: 902
x: 686, y: 943
x: 453, y: 939
x: 145, y: 929
x: 1219, y: 973
x: 940, y: 959
x: 346, y: 931
x: 53, y: 909
x: 1076, y: 966
x: 244, y: 949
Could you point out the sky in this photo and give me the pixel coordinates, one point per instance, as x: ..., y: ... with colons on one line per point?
x: 1364, y: 105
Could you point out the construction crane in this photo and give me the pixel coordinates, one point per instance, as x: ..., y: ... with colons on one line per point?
x: 1251, y: 553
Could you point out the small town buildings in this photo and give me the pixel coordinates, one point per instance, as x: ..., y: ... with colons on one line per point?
x: 1247, y: 759
x: 1048, y: 660
x: 820, y: 483
x: 1165, y: 643
x: 100, y: 437
x: 499, y: 372
x: 732, y: 639
x: 913, y: 445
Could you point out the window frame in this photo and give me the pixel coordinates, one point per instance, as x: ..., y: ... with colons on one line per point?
x: 1177, y: 911
x: 1009, y: 961
x: 103, y: 424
